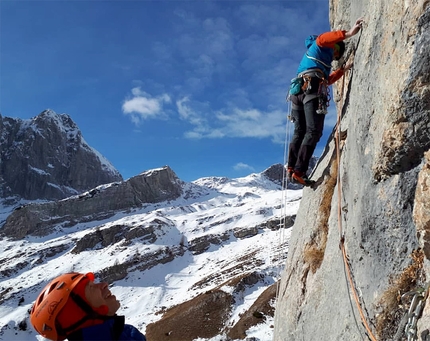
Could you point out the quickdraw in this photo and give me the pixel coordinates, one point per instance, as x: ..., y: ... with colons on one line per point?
x: 419, y: 297
x: 323, y: 97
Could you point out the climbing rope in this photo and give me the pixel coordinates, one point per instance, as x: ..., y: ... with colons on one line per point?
x: 282, y: 237
x: 339, y: 219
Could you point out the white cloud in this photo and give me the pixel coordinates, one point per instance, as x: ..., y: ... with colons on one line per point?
x: 193, y: 135
x: 142, y: 106
x: 232, y: 122
x: 253, y: 123
x: 243, y: 166
x: 187, y: 113
x: 183, y: 110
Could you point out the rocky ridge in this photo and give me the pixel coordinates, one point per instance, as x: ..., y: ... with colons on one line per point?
x: 100, y: 203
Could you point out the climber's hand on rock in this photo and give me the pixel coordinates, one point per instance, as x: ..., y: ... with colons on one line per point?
x: 348, y: 66
x: 354, y: 30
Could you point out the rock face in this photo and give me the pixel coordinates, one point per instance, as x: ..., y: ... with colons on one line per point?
x: 46, y: 157
x: 97, y: 204
x: 379, y: 209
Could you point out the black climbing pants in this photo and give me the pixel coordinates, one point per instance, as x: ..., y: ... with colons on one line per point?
x: 308, y: 129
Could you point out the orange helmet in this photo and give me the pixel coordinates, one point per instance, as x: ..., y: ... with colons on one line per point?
x: 45, y: 315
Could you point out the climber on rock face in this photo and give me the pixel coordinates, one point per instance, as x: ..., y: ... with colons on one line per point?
x: 73, y: 307
x: 310, y: 98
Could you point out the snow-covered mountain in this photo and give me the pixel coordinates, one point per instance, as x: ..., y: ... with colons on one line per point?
x: 46, y: 157
x: 222, y: 237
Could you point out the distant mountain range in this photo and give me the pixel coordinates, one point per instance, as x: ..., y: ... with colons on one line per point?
x: 188, y: 261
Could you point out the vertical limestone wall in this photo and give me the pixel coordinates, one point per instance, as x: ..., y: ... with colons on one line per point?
x: 379, y: 207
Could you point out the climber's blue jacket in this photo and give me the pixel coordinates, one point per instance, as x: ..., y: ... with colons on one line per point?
x: 319, y: 54
x: 113, y: 329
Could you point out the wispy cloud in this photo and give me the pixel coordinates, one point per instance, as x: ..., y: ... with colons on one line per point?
x: 232, y: 122
x: 243, y: 166
x: 188, y: 113
x: 142, y: 106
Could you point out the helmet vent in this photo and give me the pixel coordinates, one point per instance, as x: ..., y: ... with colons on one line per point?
x: 46, y: 328
x: 52, y: 287
x: 60, y: 286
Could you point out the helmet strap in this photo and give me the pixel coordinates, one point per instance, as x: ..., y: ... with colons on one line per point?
x: 90, y: 315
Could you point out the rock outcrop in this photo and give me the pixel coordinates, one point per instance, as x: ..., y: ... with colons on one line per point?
x: 207, y: 314
x: 102, y: 202
x: 379, y: 209
x: 46, y: 157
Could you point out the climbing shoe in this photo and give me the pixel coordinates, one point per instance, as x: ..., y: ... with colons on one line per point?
x: 301, y: 179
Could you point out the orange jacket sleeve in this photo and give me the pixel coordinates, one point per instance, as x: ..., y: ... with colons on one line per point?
x: 335, y: 75
x: 328, y: 39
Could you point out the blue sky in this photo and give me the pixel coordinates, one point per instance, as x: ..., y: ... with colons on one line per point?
x: 196, y: 85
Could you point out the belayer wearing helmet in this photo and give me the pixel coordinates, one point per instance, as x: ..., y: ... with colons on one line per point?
x: 73, y: 307
x: 309, y: 96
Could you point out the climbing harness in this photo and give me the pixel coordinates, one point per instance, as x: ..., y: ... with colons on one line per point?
x: 408, y: 325
x: 307, y: 77
x: 323, y: 92
x: 303, y: 84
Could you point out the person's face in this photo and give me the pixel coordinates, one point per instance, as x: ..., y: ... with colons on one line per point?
x: 98, y: 294
x: 336, y: 55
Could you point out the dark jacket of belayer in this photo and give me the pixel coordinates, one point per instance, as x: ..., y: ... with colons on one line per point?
x: 113, y: 329
x: 319, y: 55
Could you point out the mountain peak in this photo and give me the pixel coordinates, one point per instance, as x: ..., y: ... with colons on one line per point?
x: 46, y: 157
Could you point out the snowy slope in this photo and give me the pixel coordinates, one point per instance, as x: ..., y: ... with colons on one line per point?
x: 209, y: 207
